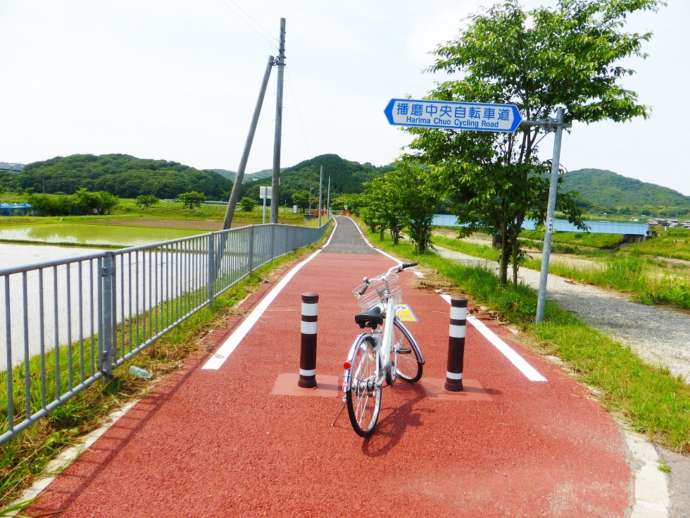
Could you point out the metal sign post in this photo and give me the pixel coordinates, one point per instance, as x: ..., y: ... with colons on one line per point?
x: 557, y: 125
x: 265, y: 194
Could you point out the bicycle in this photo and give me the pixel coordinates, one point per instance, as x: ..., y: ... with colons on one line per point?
x: 385, y: 351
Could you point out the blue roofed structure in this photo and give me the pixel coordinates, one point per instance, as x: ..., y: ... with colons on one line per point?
x: 15, y: 209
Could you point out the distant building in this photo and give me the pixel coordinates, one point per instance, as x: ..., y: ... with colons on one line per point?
x: 15, y: 209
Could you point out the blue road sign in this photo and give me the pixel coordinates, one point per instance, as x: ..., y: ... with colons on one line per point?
x: 453, y: 115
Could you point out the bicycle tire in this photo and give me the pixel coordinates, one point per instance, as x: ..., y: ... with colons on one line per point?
x: 359, y: 384
x: 412, y: 371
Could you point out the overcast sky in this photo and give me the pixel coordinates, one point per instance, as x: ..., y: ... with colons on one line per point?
x: 178, y: 79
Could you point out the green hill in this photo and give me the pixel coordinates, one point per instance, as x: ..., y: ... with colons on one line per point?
x: 346, y: 177
x: 128, y: 177
x: 12, y: 167
x: 248, y: 177
x: 606, y: 191
x: 123, y: 175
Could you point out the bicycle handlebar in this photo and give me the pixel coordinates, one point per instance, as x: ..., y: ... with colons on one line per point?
x: 395, y: 269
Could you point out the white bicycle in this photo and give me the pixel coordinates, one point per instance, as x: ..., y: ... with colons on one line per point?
x: 387, y: 350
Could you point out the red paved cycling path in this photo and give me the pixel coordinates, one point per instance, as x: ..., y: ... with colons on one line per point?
x: 219, y: 443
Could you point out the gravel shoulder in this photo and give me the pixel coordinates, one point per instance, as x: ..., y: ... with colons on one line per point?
x: 658, y: 334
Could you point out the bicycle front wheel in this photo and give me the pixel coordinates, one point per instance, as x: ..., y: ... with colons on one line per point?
x: 364, y: 396
x: 408, y: 359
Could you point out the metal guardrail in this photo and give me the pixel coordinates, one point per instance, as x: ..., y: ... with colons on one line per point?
x: 64, y: 324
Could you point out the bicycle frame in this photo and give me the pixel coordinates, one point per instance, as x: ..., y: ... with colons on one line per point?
x: 383, y: 339
x: 384, y: 344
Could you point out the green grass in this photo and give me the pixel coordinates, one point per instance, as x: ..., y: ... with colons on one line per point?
x: 674, y: 243
x: 130, y: 225
x: 584, y: 239
x: 26, y: 455
x: 654, y: 401
x: 465, y: 247
x: 627, y: 273
x: 165, y: 211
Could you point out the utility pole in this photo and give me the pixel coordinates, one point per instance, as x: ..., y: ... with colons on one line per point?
x: 558, y: 126
x: 237, y: 184
x: 275, y: 187
x: 320, y: 194
x: 328, y: 198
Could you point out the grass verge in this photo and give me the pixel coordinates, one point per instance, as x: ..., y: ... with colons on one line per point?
x: 654, y: 401
x: 26, y: 455
x: 626, y: 273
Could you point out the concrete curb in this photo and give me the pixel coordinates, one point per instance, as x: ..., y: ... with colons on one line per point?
x: 651, y: 492
x: 68, y: 456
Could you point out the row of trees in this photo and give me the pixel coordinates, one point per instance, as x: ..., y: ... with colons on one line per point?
x: 82, y: 202
x: 568, y: 55
x: 404, y: 199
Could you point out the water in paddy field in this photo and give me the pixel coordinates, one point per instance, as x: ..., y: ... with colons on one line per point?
x: 13, y: 256
x: 85, y: 234
x: 57, y: 305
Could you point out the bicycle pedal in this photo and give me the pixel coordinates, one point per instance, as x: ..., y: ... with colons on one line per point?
x: 404, y: 350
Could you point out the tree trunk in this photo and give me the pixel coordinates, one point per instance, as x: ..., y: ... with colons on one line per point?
x: 395, y: 235
x: 515, y: 234
x: 505, y: 256
x: 516, y: 265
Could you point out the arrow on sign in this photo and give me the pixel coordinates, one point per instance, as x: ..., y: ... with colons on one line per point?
x: 415, y: 113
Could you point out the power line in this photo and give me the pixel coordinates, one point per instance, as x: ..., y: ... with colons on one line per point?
x: 292, y: 95
x: 255, y: 25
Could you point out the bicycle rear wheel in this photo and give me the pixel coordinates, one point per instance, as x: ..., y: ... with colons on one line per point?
x: 364, y: 396
x: 408, y: 359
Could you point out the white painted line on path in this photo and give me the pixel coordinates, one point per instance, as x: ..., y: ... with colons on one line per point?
x: 225, y: 350
x: 511, y: 354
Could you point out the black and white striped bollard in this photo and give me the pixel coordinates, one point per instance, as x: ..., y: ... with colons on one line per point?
x: 307, y: 358
x: 456, y: 343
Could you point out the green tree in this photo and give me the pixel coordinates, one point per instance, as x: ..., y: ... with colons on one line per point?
x: 192, y: 199
x: 247, y: 204
x: 303, y: 199
x: 417, y: 190
x: 405, y: 198
x: 566, y: 55
x: 145, y: 201
x: 351, y: 202
x: 383, y: 206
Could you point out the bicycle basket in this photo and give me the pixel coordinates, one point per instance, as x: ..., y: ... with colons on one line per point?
x: 376, y: 291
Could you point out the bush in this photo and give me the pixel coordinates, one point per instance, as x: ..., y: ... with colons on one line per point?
x: 191, y: 199
x: 83, y: 202
x: 247, y: 204
x: 144, y: 201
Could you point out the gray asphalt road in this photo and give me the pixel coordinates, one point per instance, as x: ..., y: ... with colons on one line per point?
x: 347, y: 239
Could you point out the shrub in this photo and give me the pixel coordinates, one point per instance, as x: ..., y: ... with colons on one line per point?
x: 145, y: 201
x: 247, y: 204
x: 191, y: 199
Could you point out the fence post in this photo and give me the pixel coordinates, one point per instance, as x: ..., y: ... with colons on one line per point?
x: 307, y: 357
x: 273, y: 241
x: 211, y: 267
x: 251, y: 248
x: 456, y: 343
x: 107, y: 309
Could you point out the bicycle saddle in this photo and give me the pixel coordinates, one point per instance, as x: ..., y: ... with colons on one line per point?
x: 370, y: 318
